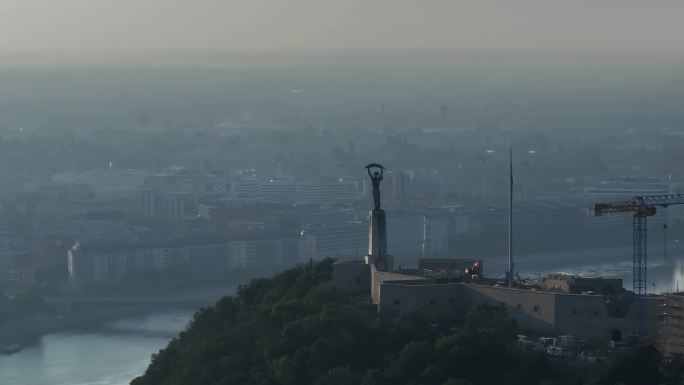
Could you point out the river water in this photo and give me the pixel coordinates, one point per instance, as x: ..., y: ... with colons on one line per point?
x: 113, y: 355
x: 665, y: 269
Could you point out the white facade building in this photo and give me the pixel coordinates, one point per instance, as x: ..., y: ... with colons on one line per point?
x: 105, y: 183
x: 327, y: 192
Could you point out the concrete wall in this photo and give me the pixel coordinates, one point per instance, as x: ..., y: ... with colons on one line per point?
x: 402, y: 298
x: 352, y: 277
x: 533, y: 310
x: 587, y: 316
x: 584, y: 316
x: 380, y: 277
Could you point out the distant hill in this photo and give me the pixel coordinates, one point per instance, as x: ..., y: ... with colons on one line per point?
x: 297, y: 329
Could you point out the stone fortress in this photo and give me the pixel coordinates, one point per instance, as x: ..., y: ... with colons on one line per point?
x: 595, y: 309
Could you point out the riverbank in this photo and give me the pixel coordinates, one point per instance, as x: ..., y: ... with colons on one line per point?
x: 112, y: 353
x: 28, y: 330
x: 613, y: 262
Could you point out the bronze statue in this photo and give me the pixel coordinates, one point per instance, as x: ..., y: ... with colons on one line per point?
x: 376, y: 178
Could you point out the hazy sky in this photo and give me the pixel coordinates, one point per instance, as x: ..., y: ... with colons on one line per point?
x: 339, y: 25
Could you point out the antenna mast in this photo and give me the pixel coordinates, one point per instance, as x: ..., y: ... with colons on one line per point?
x: 510, y: 219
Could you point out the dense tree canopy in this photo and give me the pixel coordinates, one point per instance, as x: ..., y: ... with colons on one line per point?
x: 298, y: 329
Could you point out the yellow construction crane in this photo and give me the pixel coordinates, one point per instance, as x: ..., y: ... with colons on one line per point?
x: 641, y: 207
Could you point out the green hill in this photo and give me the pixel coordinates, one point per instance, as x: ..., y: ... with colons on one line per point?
x: 297, y: 329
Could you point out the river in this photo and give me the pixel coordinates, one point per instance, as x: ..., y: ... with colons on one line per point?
x: 114, y: 355
x: 665, y: 273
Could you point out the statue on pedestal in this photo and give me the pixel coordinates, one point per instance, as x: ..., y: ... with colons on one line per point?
x: 376, y: 178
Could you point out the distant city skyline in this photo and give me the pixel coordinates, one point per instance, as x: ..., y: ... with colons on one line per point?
x: 235, y: 26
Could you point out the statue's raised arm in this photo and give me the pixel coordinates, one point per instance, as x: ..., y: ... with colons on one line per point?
x: 376, y: 178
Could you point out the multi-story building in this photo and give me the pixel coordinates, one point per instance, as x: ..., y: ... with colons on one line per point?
x: 435, y: 235
x: 156, y: 205
x: 6, y: 266
x: 105, y: 183
x: 287, y: 190
x: 6, y: 257
x: 346, y: 239
x: 14, y: 259
x: 246, y: 187
x: 106, y: 262
x: 195, y: 185
x: 242, y: 254
x: 328, y: 191
x: 410, y: 235
x: 278, y: 190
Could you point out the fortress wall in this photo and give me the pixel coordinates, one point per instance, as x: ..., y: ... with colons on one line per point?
x: 584, y: 316
x: 352, y: 277
x: 533, y: 310
x: 587, y: 316
x: 379, y: 277
x: 401, y: 299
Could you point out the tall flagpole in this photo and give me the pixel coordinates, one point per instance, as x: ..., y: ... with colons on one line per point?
x: 510, y: 218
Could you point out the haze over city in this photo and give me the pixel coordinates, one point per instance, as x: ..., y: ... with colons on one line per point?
x: 341, y: 192
x: 239, y: 26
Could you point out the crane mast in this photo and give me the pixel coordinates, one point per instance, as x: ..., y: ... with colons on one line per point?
x: 641, y: 207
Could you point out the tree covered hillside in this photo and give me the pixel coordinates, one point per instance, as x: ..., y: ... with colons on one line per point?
x: 297, y: 329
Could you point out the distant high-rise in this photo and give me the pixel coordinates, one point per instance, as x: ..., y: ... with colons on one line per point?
x: 443, y: 112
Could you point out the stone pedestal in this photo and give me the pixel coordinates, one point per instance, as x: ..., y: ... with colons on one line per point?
x: 377, y: 241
